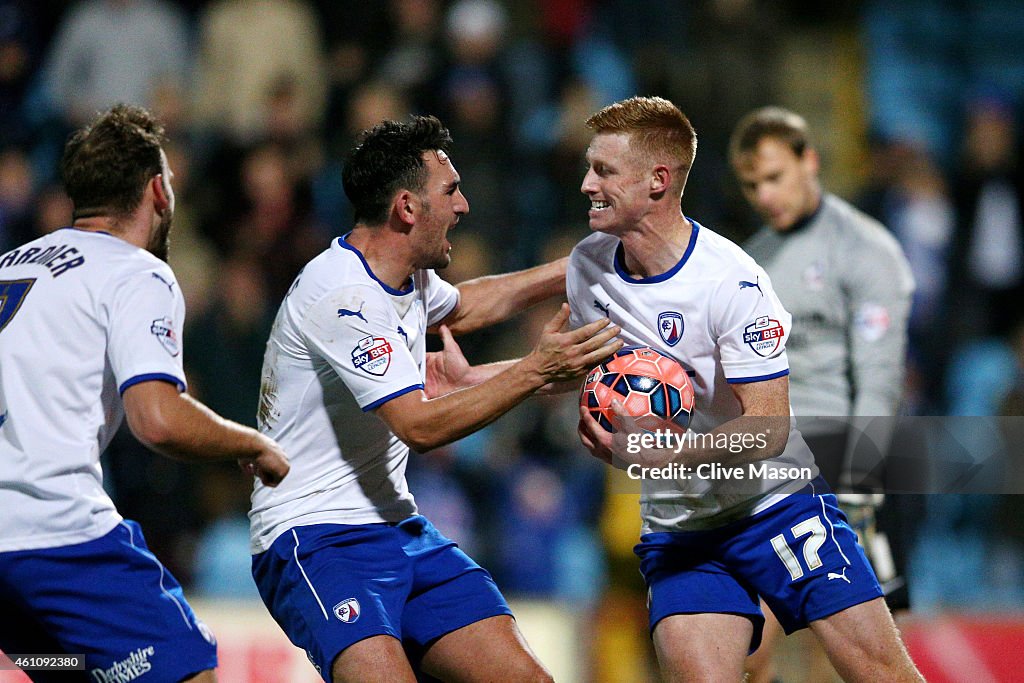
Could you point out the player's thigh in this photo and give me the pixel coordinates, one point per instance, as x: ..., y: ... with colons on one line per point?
x: 803, y: 559
x: 863, y: 644
x: 492, y: 649
x: 702, y: 648
x: 685, y: 577
x: 120, y: 607
x: 760, y: 665
x: 333, y: 586
x: 457, y: 626
x: 378, y: 659
x: 450, y: 590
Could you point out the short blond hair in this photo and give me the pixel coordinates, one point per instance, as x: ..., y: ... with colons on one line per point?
x: 656, y: 128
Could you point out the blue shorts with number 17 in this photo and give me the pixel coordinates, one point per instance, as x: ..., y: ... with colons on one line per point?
x: 799, y: 555
x: 331, y: 585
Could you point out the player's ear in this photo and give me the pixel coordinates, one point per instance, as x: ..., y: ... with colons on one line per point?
x: 811, y: 160
x: 162, y: 197
x: 405, y: 206
x: 661, y: 179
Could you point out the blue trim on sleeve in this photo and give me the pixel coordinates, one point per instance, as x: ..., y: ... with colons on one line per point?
x: 343, y: 243
x: 163, y: 377
x: 620, y: 266
x: 381, y: 401
x: 759, y: 378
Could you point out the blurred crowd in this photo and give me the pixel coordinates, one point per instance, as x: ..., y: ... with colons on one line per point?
x: 262, y: 98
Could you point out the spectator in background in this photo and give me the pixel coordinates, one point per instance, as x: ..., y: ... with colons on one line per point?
x: 108, y: 51
x: 354, y: 36
x: 366, y: 104
x: 234, y: 331
x: 19, y: 52
x: 256, y: 55
x: 986, y: 284
x: 921, y: 216
x: 413, y: 59
x: 271, y: 222
x: 474, y: 100
x: 906, y: 191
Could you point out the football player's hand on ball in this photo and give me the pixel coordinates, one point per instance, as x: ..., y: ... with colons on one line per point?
x: 618, y: 448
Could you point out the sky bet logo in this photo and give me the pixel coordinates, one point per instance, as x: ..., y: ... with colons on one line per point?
x: 372, y: 355
x: 764, y: 335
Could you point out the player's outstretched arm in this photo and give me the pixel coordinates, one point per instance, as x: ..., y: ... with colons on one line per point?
x: 425, y: 423
x: 487, y: 300
x: 178, y: 426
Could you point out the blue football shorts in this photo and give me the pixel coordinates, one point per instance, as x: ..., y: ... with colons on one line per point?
x: 331, y: 585
x: 799, y: 555
x: 110, y: 599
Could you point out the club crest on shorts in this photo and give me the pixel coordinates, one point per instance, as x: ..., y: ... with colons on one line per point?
x: 163, y: 330
x: 372, y: 355
x: 763, y: 335
x: 670, y: 327
x: 348, y: 611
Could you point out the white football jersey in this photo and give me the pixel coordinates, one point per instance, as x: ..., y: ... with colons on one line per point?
x: 83, y: 316
x: 343, y: 343
x: 715, y: 313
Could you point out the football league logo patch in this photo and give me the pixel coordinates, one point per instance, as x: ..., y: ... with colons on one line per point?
x: 348, y: 611
x: 372, y: 355
x: 764, y: 335
x: 163, y: 330
x: 670, y: 327
x: 871, y: 321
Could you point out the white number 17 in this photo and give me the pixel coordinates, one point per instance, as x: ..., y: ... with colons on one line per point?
x: 812, y: 526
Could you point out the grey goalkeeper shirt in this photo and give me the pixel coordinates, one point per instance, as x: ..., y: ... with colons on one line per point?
x: 848, y: 286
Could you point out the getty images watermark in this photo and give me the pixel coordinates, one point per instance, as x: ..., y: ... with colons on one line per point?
x: 668, y: 440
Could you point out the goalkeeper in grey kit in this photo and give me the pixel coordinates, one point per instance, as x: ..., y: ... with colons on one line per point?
x: 848, y: 286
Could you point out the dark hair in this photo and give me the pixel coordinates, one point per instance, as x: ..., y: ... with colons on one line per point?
x: 785, y: 126
x: 656, y: 128
x: 388, y: 158
x: 106, y: 164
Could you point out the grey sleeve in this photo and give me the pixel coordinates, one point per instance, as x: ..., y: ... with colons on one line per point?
x: 878, y: 288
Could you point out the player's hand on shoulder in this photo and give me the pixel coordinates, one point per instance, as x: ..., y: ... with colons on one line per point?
x: 270, y: 464
x: 562, y: 356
